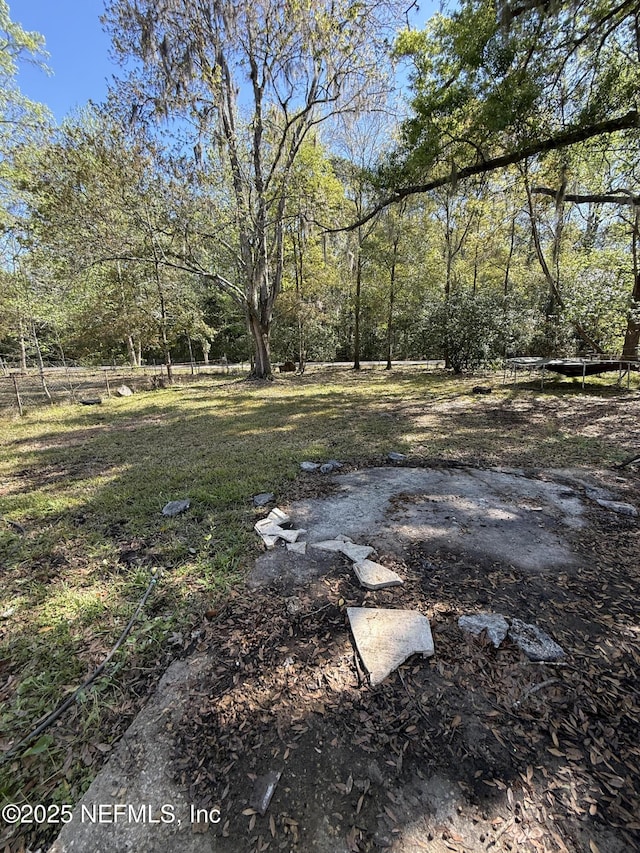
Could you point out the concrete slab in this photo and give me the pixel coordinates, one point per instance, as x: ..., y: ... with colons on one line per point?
x: 498, y: 515
x: 329, y: 545
x: 297, y: 547
x: 375, y: 576
x: 278, y: 516
x: 139, y: 774
x: 357, y: 553
x: 385, y: 639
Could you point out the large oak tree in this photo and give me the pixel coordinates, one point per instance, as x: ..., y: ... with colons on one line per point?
x: 253, y: 77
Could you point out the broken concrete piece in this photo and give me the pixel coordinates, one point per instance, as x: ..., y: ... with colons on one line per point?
x: 124, y: 391
x: 396, y: 457
x: 266, y: 527
x: 309, y: 466
x: 534, y: 642
x: 619, y: 507
x: 329, y: 466
x: 357, y: 553
x: 297, y: 547
x: 263, y: 790
x: 278, y: 516
x: 329, y: 544
x: 494, y: 624
x: 175, y: 507
x: 269, y: 541
x: 344, y: 538
x: 386, y: 638
x: 374, y: 576
x: 263, y: 498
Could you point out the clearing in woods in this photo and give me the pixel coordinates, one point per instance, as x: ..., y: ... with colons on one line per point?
x: 473, y: 749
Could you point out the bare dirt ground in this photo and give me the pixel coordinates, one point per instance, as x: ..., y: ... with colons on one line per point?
x: 474, y: 749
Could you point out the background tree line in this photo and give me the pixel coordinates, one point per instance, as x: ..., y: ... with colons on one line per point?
x: 249, y: 191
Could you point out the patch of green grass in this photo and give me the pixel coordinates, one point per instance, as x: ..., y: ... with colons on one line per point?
x: 88, y: 486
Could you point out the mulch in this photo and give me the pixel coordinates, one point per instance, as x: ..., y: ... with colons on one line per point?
x: 541, y: 756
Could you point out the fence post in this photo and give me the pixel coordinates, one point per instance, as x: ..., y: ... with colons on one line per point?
x: 106, y: 377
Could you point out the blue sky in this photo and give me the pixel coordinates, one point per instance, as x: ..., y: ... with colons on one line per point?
x: 79, y: 51
x: 78, y: 48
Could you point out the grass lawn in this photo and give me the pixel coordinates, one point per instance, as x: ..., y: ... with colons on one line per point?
x: 81, y: 529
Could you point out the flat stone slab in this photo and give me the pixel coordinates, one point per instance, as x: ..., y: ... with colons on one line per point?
x: 175, y: 507
x: 394, y: 456
x: 297, y: 547
x: 494, y: 624
x: 534, y: 642
x: 385, y: 639
x: 375, y: 576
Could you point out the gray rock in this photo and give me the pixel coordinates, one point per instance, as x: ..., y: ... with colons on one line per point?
x: 124, y: 391
x: 386, y: 638
x: 309, y: 466
x: 331, y: 465
x: 494, y: 624
x: 297, y: 547
x: 396, y: 457
x: 263, y: 498
x: 619, y: 507
x: 534, y: 642
x: 329, y: 544
x: 175, y: 507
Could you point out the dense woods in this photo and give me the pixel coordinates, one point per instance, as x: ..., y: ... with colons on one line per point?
x: 283, y: 180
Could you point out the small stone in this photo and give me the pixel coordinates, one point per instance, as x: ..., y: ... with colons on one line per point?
x: 534, y: 642
x: 357, y: 553
x: 263, y: 790
x: 294, y: 606
x: 297, y: 547
x: 175, y: 507
x: 269, y: 541
x: 309, y: 466
x: 342, y: 538
x: 620, y: 508
x: 494, y: 624
x: 124, y: 391
x: 334, y: 462
x: 327, y: 468
x: 396, y: 457
x: 375, y: 576
x: 263, y: 498
x: 385, y: 639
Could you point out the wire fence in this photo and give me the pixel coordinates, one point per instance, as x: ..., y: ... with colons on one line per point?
x: 22, y: 391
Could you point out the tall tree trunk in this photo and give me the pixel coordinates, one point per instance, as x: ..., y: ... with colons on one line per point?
x: 23, y: 347
x: 259, y: 332
x: 356, y: 309
x: 392, y: 296
x: 632, y: 334
x: 131, y: 351
x: 43, y: 381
